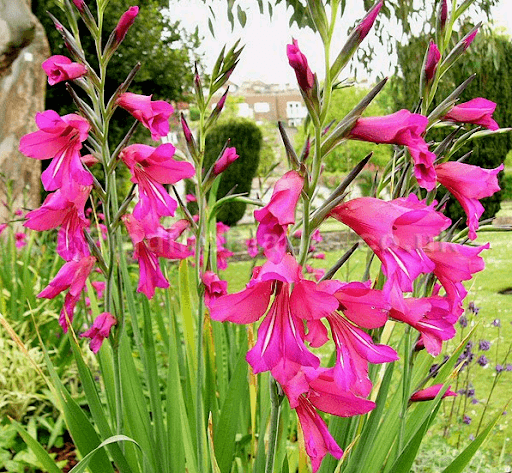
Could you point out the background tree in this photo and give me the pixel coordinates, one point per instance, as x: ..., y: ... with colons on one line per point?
x: 166, y: 51
x: 406, y: 13
x: 490, y: 57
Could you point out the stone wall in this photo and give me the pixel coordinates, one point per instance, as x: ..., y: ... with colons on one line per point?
x: 23, y: 47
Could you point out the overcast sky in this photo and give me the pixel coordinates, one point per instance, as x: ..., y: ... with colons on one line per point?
x: 264, y: 56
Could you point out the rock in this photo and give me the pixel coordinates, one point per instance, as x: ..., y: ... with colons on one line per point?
x: 23, y: 47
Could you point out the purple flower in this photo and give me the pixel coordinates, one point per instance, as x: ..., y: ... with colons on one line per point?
x: 508, y: 367
x: 484, y: 345
x: 463, y: 321
x: 496, y: 322
x: 473, y: 308
x: 474, y: 401
x: 466, y: 420
x: 482, y: 360
x: 499, y: 368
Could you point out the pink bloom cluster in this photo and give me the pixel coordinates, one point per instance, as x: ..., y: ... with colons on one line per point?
x: 60, y: 139
x: 299, y: 315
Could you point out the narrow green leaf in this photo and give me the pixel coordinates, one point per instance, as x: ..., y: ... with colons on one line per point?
x: 458, y: 465
x: 80, y: 467
x: 186, y: 310
x: 225, y: 432
x: 405, y: 461
x: 46, y: 461
x: 95, y: 405
x: 242, y: 16
x: 211, y: 448
x: 82, y: 431
x: 151, y: 370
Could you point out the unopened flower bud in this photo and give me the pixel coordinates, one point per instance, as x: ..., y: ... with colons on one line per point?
x: 468, y: 39
x: 430, y: 393
x: 227, y: 158
x: 442, y: 15
x: 432, y: 60
x: 186, y: 129
x: 80, y: 5
x: 366, y: 25
x: 125, y: 22
x: 299, y: 63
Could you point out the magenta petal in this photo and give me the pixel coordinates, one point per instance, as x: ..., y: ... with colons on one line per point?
x: 430, y: 393
x: 366, y: 307
x: 280, y: 338
x: 317, y: 439
x: 307, y: 302
x: 317, y: 333
x: 244, y: 307
x: 151, y: 275
x: 468, y: 184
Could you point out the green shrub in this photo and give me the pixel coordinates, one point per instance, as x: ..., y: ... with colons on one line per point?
x: 506, y: 189
x: 247, y: 138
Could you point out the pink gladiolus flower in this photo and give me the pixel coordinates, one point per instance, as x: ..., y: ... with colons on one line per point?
x: 401, y: 128
x: 430, y: 393
x: 153, y: 114
x: 61, y: 68
x: 299, y: 63
x: 21, y: 240
x: 477, y: 111
x: 354, y: 349
x: 318, y: 273
x: 281, y: 334
x: 59, y: 139
x: 67, y: 212
x: 72, y: 276
x: 228, y: 157
x: 453, y: 264
x: 366, y: 25
x: 316, y: 236
x: 3, y: 226
x: 125, y: 22
x: 317, y: 438
x: 100, y: 330
x: 396, y: 231
x: 99, y: 286
x: 275, y: 217
x: 432, y: 317
x: 433, y: 58
x: 150, y: 243
x: 214, y: 287
x: 191, y: 198
x: 252, y: 247
x: 362, y: 305
x: 468, y: 184
x: 310, y: 389
x: 150, y: 169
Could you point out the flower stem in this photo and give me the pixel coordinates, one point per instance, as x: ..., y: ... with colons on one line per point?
x: 275, y: 409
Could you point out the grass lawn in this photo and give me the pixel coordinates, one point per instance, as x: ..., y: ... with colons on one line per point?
x: 483, y: 291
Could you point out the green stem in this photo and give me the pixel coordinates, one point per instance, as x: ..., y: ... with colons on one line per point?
x: 275, y: 408
x: 406, y: 391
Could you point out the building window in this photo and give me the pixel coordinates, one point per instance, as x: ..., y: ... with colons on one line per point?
x: 261, y: 107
